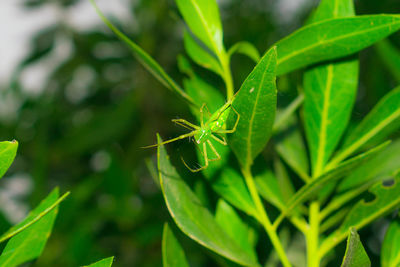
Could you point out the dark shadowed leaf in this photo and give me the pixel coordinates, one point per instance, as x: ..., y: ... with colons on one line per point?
x: 172, y: 252
x: 390, y: 55
x: 246, y: 49
x: 355, y: 255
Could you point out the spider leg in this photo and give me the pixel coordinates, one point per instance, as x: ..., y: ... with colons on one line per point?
x: 205, y: 161
x: 202, y: 115
x: 221, y: 141
x: 173, y: 140
x: 214, y: 150
x: 186, y: 124
x: 234, y: 127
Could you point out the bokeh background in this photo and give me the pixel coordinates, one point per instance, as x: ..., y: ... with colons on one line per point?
x: 81, y: 107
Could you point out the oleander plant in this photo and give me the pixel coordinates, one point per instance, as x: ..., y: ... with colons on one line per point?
x: 287, y: 151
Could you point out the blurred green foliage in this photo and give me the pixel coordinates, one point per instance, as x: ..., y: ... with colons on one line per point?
x: 84, y: 130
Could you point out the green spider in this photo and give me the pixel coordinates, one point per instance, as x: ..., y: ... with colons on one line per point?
x: 206, y: 131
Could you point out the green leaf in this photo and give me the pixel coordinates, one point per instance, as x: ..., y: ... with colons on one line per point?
x: 107, y: 262
x: 333, y: 38
x: 383, y: 165
x: 230, y: 185
x: 291, y: 148
x: 387, y: 198
x: 8, y: 151
x: 330, y: 91
x: 390, y: 251
x: 308, y: 190
x: 233, y: 225
x: 29, y: 244
x: 256, y: 104
x: 383, y: 120
x: 199, y: 55
x: 45, y: 206
x: 245, y: 48
x: 202, y: 17
x: 192, y: 217
x: 145, y: 59
x: 355, y: 255
x: 390, y: 55
x: 268, y: 187
x: 172, y: 252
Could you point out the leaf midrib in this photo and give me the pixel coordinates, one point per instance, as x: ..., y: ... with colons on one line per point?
x: 249, y: 152
x: 300, y: 51
x: 324, y: 123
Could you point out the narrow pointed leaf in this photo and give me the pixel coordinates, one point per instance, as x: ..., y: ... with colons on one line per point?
x: 172, y: 252
x: 29, y: 244
x: 330, y: 91
x: 390, y: 251
x: 8, y: 151
x: 256, y: 104
x: 233, y: 225
x: 145, y: 59
x: 355, y: 255
x: 390, y: 55
x: 107, y: 262
x: 199, y: 55
x: 382, y: 121
x: 333, y: 38
x: 245, y: 48
x: 202, y: 17
x: 46, y: 206
x: 310, y: 189
x: 387, y: 198
x: 192, y: 217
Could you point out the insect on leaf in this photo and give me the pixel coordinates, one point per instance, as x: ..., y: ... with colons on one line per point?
x: 332, y: 38
x: 172, y: 252
x: 8, y: 151
x: 28, y: 244
x: 355, y: 255
x: 256, y: 104
x: 192, y: 217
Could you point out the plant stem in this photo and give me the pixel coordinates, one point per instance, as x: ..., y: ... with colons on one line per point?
x: 227, y: 74
x: 263, y: 217
x: 312, y: 236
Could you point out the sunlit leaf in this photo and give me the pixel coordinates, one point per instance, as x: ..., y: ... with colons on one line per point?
x: 107, y: 262
x: 46, y: 206
x: 202, y: 17
x: 28, y: 244
x: 333, y: 38
x: 8, y: 151
x: 390, y: 251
